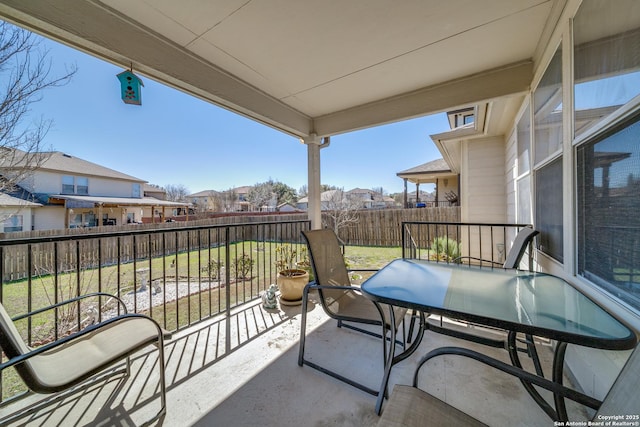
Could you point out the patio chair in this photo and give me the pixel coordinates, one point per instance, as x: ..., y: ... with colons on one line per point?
x: 409, y: 406
x: 340, y: 300
x: 520, y: 244
x: 72, y: 359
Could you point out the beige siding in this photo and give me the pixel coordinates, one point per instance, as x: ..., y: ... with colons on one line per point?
x: 483, y: 185
x: 49, y: 218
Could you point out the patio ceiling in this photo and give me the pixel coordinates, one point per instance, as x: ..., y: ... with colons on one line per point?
x: 304, y: 67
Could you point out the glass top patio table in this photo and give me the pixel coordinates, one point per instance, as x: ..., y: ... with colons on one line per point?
x: 521, y: 301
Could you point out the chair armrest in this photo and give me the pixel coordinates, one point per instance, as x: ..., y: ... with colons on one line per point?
x: 313, y: 285
x: 69, y: 301
x: 34, y: 352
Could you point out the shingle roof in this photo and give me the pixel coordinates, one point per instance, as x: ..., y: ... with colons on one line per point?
x: 438, y: 165
x: 61, y: 162
x: 203, y: 193
x: 7, y: 200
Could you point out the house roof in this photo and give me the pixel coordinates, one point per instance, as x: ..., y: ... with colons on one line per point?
x: 434, y: 166
x: 203, y: 193
x: 323, y: 67
x: 7, y: 200
x: 428, y: 172
x: 61, y: 162
x: 57, y: 161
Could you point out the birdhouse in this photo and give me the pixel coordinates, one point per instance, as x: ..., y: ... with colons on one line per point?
x: 130, y: 88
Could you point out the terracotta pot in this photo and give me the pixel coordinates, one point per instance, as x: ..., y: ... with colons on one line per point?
x: 291, y: 284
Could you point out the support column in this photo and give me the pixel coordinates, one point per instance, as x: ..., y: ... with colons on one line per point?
x: 406, y: 199
x: 314, y: 144
x: 417, y: 193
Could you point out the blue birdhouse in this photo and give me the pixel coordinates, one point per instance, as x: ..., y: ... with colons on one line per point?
x: 130, y: 88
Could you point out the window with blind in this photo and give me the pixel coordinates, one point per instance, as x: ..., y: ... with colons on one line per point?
x: 608, y: 206
x: 547, y: 127
x: 606, y: 73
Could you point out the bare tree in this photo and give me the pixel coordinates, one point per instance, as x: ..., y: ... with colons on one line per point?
x: 227, y: 200
x: 25, y: 70
x: 176, y: 192
x: 340, y: 209
x: 261, y: 194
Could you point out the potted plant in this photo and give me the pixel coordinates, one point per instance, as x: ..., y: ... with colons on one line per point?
x: 292, y: 278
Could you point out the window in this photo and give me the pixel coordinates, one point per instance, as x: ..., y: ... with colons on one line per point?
x: 82, y: 185
x: 547, y: 121
x: 608, y: 204
x: 68, y: 186
x: 607, y: 65
x: 136, y: 190
x: 13, y: 223
x: 547, y: 107
x: 549, y: 209
x: 524, y: 142
x: 75, y: 185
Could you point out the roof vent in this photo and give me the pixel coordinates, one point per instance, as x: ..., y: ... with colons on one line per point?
x: 66, y: 155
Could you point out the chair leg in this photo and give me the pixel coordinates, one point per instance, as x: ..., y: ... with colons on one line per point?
x: 163, y: 381
x: 303, y: 325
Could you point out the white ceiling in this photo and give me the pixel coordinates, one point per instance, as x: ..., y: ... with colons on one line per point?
x: 308, y: 66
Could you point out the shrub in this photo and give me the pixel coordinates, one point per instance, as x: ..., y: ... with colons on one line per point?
x: 444, y: 249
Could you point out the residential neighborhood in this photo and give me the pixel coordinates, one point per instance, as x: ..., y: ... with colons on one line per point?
x: 68, y: 192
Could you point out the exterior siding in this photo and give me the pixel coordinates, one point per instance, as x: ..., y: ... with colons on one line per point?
x: 483, y: 185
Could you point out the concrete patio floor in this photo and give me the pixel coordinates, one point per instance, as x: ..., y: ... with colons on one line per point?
x: 242, y: 371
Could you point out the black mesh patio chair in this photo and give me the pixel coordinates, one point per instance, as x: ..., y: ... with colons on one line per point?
x: 340, y: 300
x: 523, y: 240
x: 72, y: 359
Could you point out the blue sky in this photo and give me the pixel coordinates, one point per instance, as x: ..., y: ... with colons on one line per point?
x: 174, y: 138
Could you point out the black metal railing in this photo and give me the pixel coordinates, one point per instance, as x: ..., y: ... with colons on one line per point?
x: 179, y: 276
x: 447, y: 241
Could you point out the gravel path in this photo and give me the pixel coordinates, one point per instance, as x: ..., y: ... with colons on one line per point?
x: 159, y: 296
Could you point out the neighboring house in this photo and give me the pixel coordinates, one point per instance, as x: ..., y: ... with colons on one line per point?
x: 371, y: 199
x: 242, y: 203
x: 358, y: 198
x: 438, y: 172
x: 77, y: 193
x: 16, y: 212
x: 287, y: 207
x: 205, y: 201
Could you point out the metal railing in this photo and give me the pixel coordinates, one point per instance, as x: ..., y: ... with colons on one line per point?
x: 446, y: 241
x: 178, y: 276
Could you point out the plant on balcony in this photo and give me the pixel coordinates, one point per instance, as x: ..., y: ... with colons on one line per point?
x: 444, y: 249
x: 292, y: 275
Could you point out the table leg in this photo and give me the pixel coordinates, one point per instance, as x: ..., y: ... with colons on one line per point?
x: 557, y: 376
x: 515, y: 361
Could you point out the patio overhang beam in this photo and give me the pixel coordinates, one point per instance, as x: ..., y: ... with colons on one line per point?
x: 511, y: 80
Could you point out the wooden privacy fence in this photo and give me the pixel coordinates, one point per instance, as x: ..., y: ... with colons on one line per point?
x: 129, y: 242
x: 109, y: 245
x: 382, y: 227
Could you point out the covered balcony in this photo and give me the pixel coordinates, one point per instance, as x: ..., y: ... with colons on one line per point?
x: 540, y: 70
